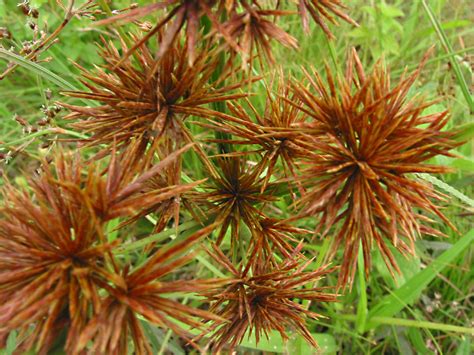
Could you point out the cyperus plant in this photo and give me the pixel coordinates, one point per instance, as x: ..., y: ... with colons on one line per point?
x: 190, y: 211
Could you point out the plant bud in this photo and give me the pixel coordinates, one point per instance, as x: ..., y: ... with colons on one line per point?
x: 5, y: 33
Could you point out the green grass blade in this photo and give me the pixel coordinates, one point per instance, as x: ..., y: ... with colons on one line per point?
x: 155, y: 237
x: 422, y: 324
x: 412, y: 323
x: 411, y: 290
x: 465, y: 347
x: 447, y: 188
x: 362, y: 304
x: 37, y: 69
x: 449, y: 49
x: 11, y: 344
x: 44, y: 132
x: 209, y: 266
x: 275, y: 344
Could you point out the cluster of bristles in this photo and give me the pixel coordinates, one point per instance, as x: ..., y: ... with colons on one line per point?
x: 342, y: 153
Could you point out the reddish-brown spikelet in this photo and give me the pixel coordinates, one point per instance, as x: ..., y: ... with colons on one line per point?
x: 322, y: 11
x: 369, y: 141
x: 51, y: 251
x: 251, y: 30
x: 277, y: 132
x: 270, y: 237
x: 139, y: 189
x: 242, y: 24
x: 235, y: 196
x: 170, y: 208
x: 143, y: 295
x: 261, y: 298
x: 54, y: 252
x: 125, y: 191
x: 182, y: 13
x: 147, y: 100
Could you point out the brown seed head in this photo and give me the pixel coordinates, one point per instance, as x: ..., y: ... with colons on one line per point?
x: 52, y: 249
x: 277, y: 132
x: 145, y: 99
x: 145, y: 294
x: 369, y: 141
x: 261, y: 299
x: 235, y: 196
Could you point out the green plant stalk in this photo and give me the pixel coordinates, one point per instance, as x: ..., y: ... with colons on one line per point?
x: 39, y: 82
x: 323, y: 253
x: 156, y: 237
x: 449, y: 49
x: 209, y: 266
x: 362, y: 304
x: 397, y: 341
x: 320, y: 260
x: 43, y: 133
x: 332, y: 52
x: 411, y: 323
x: 36, y: 68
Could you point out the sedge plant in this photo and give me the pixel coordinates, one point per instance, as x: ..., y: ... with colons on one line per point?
x: 343, y: 151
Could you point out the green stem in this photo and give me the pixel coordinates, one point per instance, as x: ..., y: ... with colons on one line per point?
x: 323, y: 253
x: 209, y: 266
x: 43, y: 133
x: 156, y: 237
x: 37, y: 69
x: 333, y: 54
x: 411, y: 323
x: 362, y: 305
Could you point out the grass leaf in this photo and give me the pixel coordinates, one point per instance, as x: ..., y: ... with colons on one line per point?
x: 449, y: 49
x: 275, y: 344
x: 411, y: 290
x: 362, y: 304
x: 36, y: 69
x: 448, y: 188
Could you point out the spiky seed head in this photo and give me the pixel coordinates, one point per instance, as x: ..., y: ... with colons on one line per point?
x: 369, y: 142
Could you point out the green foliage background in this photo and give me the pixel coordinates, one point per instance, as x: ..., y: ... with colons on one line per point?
x: 428, y: 309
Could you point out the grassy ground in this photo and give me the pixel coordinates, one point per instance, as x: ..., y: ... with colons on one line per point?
x: 428, y: 309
